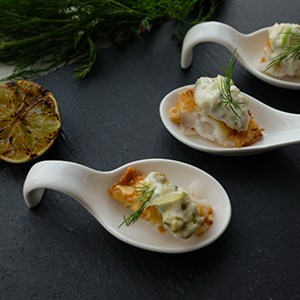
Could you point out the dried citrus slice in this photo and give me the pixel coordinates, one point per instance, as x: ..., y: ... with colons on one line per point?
x: 29, y: 120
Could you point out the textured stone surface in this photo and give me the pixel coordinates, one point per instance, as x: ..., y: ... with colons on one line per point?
x: 58, y: 251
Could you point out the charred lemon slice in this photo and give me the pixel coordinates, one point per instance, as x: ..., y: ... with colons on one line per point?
x: 29, y: 120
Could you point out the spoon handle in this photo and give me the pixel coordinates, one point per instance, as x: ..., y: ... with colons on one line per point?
x: 62, y: 176
x: 207, y: 32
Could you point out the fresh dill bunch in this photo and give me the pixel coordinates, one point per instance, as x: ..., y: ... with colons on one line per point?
x: 289, y: 52
x: 225, y: 87
x: 37, y: 36
x: 144, y: 195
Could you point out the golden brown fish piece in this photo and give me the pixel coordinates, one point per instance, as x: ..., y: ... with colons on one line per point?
x: 125, y: 192
x: 219, y: 131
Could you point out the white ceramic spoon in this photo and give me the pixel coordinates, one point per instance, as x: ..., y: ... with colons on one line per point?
x: 280, y: 128
x: 89, y: 188
x: 249, y: 49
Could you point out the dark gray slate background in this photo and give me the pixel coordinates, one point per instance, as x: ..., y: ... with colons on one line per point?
x: 58, y: 251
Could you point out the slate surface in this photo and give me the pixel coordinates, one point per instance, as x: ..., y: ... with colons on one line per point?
x: 58, y: 251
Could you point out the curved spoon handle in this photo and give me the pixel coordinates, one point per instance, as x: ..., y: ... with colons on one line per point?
x: 62, y: 176
x: 207, y: 32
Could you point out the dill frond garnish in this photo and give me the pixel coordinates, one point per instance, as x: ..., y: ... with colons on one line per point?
x: 289, y: 52
x: 38, y: 36
x: 225, y: 88
x: 144, y: 194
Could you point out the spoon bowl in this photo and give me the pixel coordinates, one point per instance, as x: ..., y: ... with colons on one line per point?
x: 249, y: 49
x: 89, y: 187
x: 280, y: 128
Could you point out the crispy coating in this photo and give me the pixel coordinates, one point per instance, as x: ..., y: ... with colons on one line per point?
x: 124, y: 192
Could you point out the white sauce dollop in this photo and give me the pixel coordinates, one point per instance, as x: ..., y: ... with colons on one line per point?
x: 209, y: 99
x: 280, y: 36
x: 180, y: 214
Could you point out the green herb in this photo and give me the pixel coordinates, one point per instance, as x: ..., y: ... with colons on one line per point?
x: 225, y: 87
x: 291, y: 51
x: 144, y: 194
x: 37, y: 36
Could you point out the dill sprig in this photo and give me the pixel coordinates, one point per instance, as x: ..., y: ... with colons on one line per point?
x: 37, y: 36
x: 289, y: 52
x: 144, y: 194
x: 225, y: 87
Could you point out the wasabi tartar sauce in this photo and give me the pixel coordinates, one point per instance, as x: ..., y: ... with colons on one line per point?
x: 281, y: 36
x: 180, y: 214
x: 208, y: 98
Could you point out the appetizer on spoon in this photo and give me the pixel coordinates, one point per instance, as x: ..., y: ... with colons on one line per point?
x: 282, y: 51
x: 216, y: 110
x: 91, y: 189
x: 280, y: 128
x: 173, y: 209
x: 250, y: 49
